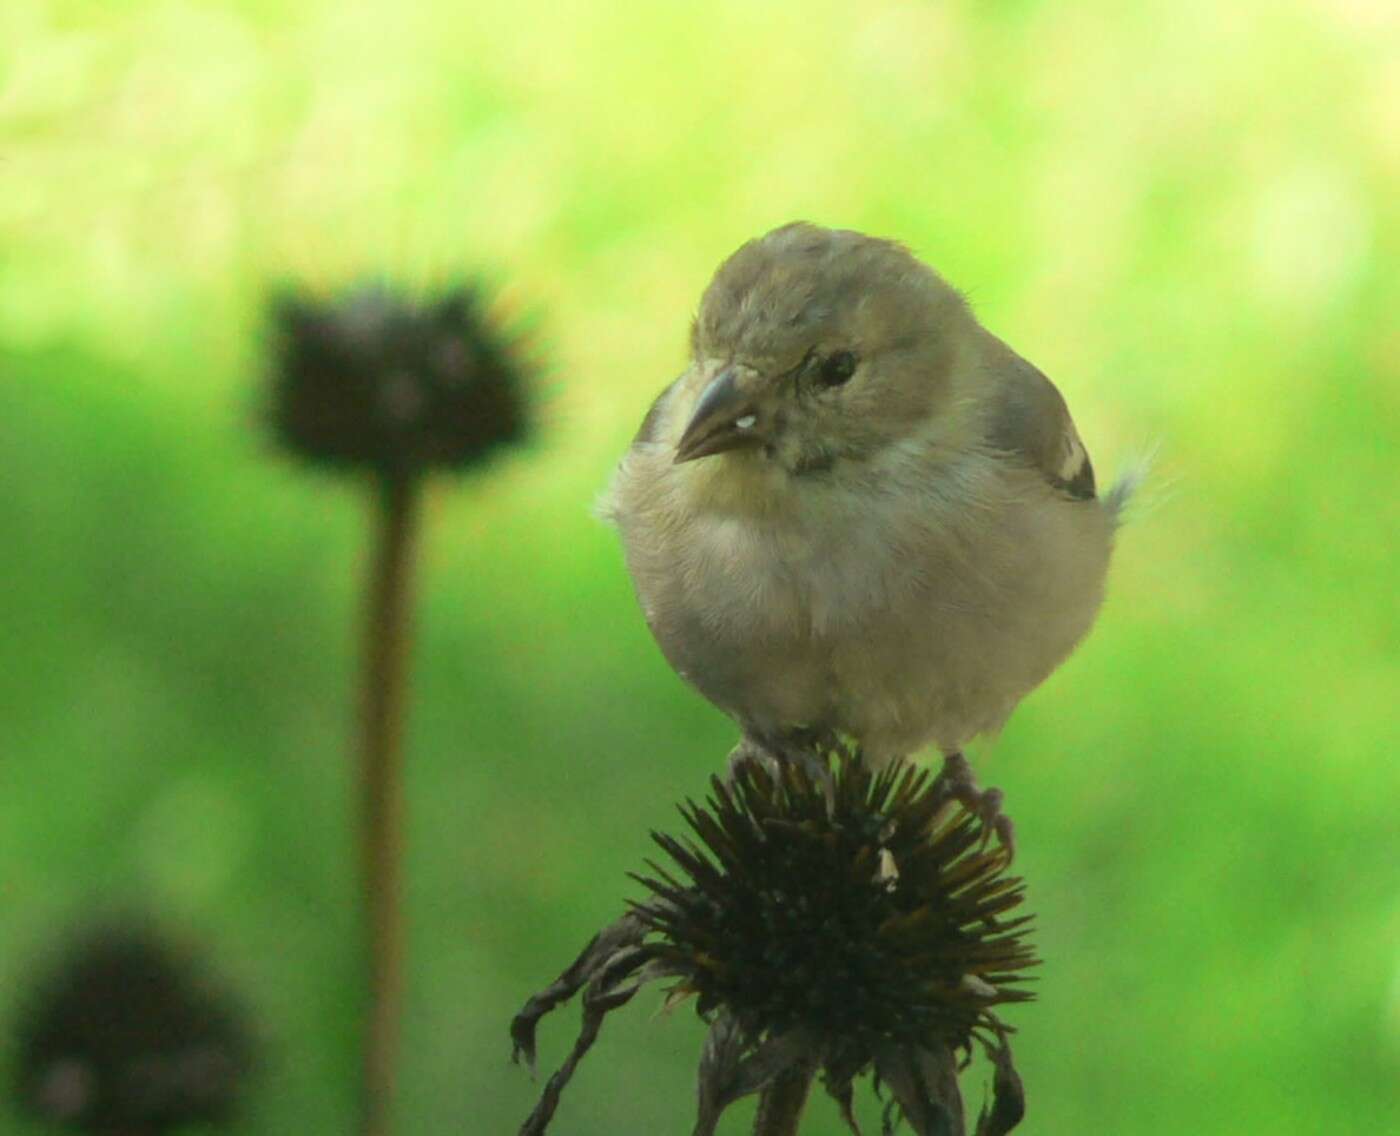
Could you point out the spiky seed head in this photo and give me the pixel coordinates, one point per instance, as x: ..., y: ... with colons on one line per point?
x: 823, y: 916
x: 125, y: 1033
x: 396, y: 384
x: 866, y: 910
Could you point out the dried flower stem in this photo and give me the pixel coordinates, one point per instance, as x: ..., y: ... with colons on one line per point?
x: 780, y: 1107
x: 387, y: 635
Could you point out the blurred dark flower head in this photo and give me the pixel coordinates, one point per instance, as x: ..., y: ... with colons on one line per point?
x: 126, y: 1034
x: 394, y: 383
x: 826, y: 916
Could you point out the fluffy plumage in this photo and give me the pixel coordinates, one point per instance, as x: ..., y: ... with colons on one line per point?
x: 857, y: 509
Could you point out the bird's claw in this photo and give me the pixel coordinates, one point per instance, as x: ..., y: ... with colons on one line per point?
x: 803, y: 749
x: 960, y: 785
x: 750, y: 750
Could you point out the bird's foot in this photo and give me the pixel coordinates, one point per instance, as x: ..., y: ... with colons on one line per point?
x: 958, y: 784
x: 748, y: 751
x: 805, y: 749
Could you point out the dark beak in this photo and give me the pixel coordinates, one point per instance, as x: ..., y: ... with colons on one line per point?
x: 725, y: 418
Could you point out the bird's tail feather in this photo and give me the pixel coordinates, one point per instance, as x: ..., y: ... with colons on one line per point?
x: 1129, y: 481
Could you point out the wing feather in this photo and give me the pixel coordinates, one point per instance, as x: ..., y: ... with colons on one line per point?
x: 1028, y: 417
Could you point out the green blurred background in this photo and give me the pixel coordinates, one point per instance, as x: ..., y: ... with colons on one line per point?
x: 1184, y: 212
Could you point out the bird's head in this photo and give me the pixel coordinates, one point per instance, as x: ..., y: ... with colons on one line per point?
x: 815, y: 346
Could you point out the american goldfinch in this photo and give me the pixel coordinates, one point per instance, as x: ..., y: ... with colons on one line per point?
x: 858, y: 511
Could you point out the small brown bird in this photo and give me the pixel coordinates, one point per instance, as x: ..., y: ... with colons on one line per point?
x: 858, y: 511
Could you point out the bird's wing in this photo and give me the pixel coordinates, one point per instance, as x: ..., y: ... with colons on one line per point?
x: 1028, y: 417
x: 650, y: 429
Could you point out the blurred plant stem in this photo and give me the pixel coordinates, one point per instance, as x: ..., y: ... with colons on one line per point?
x: 780, y: 1107
x: 388, y: 632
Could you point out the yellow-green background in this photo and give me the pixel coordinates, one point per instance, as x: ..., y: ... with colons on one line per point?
x: 1184, y: 211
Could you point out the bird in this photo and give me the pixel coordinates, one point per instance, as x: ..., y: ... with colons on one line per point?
x: 857, y: 512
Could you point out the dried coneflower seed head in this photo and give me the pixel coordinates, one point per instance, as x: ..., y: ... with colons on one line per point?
x: 824, y: 916
x: 860, y: 911
x: 124, y: 1034
x: 397, y: 385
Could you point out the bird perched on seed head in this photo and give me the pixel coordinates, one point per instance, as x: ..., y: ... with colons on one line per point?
x: 858, y: 510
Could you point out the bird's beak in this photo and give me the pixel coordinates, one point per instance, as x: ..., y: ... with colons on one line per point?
x: 726, y: 417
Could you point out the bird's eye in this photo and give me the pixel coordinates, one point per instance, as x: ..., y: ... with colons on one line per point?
x: 837, y: 368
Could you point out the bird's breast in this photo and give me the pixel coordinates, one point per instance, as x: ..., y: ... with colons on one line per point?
x: 806, y: 574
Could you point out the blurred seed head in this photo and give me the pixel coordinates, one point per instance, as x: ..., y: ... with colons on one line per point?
x: 827, y: 916
x: 396, y: 384
x: 126, y: 1034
